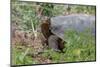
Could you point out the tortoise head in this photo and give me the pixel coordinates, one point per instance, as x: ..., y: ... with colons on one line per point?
x: 46, y: 20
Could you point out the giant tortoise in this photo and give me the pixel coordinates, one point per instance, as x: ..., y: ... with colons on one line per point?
x: 60, y: 24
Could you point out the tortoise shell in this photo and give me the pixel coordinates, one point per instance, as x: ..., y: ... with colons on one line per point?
x: 77, y: 22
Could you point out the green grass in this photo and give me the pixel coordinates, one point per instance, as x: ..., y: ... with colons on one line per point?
x: 78, y: 47
x: 20, y: 56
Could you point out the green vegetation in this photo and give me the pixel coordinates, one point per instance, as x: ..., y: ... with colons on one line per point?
x: 79, y: 47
